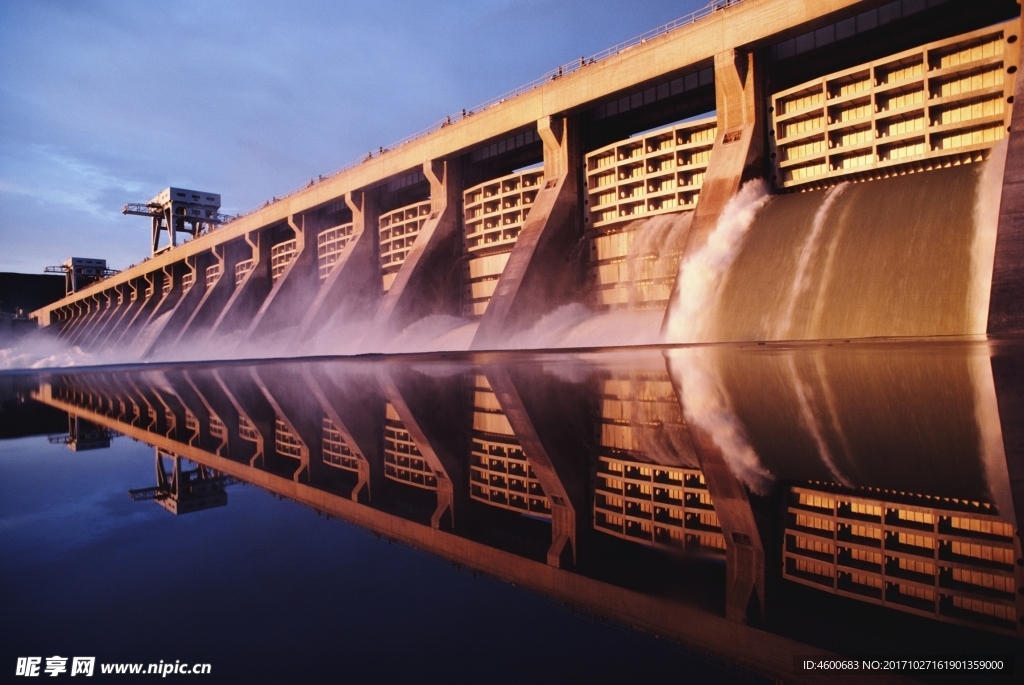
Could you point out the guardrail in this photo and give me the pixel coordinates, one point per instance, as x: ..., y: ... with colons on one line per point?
x: 563, y: 70
x: 145, y: 209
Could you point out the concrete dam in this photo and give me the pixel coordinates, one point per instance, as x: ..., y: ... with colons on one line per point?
x: 764, y: 170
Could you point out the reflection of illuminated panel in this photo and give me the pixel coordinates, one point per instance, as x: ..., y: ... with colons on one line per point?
x: 336, y: 452
x: 285, y: 442
x: 402, y: 459
x: 247, y: 431
x: 499, y: 472
x: 643, y: 501
x: 217, y: 428
x: 946, y: 559
x: 655, y: 504
x: 630, y: 407
x: 398, y: 231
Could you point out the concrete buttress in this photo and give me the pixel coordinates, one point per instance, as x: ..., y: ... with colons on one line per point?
x: 290, y: 296
x: 541, y: 269
x: 215, y: 295
x: 96, y: 309
x: 118, y: 296
x: 431, y: 435
x: 147, y: 299
x: 352, y: 290
x: 250, y: 292
x: 427, y: 284
x: 81, y: 311
x: 296, y: 409
x: 133, y: 296
x: 744, y: 550
x: 330, y: 411
x: 563, y: 509
x: 1005, y: 314
x: 190, y: 295
x: 738, y: 152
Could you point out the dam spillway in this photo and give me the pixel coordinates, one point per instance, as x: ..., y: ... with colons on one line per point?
x: 887, y: 258
x: 592, y: 194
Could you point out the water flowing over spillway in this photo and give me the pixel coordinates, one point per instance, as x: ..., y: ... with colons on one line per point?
x: 842, y: 414
x: 903, y: 256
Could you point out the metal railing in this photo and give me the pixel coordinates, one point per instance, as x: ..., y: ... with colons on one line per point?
x: 145, y: 209
x: 554, y: 74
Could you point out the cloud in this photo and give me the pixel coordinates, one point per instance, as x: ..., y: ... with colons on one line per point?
x: 108, y: 102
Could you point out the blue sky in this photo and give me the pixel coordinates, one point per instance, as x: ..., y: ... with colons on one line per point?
x: 108, y: 102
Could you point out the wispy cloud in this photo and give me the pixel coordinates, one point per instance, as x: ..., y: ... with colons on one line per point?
x: 107, y: 102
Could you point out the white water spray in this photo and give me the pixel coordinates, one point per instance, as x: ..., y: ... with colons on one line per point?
x: 701, y: 274
x: 983, y: 247
x: 706, y: 407
x: 39, y: 350
x: 805, y: 401
x: 801, y: 282
x: 575, y: 325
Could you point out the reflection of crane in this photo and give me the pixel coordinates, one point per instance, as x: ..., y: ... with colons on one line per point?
x: 83, y: 435
x: 182, y: 491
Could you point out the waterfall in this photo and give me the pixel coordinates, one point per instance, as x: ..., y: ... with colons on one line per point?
x: 986, y: 226
x: 906, y: 256
x: 701, y: 274
x: 706, y: 406
x: 801, y: 282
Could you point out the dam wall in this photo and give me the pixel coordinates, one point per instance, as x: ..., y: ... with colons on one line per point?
x: 877, y: 132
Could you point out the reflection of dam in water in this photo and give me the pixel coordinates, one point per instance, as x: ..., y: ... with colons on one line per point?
x: 643, y: 489
x: 603, y: 482
x: 598, y: 209
x: 940, y: 557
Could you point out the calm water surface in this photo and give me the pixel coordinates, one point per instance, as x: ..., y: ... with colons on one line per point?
x: 693, y: 515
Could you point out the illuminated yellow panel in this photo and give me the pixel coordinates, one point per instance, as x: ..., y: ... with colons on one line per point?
x: 329, y: 246
x: 398, y: 230
x: 403, y: 461
x: 281, y: 255
x: 953, y: 96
